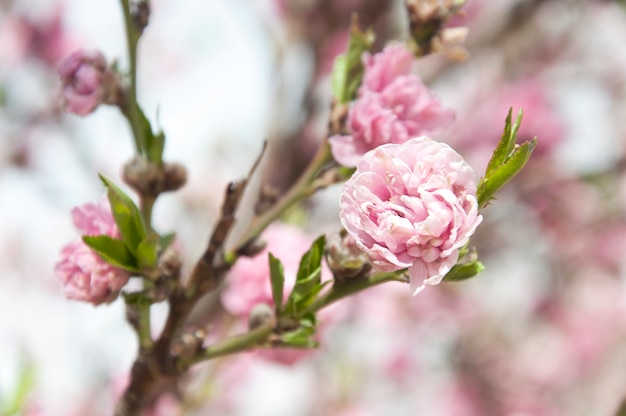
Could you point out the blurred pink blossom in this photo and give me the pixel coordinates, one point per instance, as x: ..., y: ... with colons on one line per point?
x: 412, y: 205
x: 393, y: 106
x: 86, y: 82
x: 82, y: 272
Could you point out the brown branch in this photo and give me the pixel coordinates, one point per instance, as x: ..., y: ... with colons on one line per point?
x: 155, y: 367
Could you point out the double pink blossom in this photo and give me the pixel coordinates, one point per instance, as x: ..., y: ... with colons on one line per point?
x: 82, y: 272
x: 412, y: 205
x: 393, y: 106
x: 87, y: 81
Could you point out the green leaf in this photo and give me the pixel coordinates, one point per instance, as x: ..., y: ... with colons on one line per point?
x: 506, y: 144
x: 147, y: 252
x: 301, y: 337
x: 155, y: 143
x: 113, y: 251
x: 303, y: 302
x: 464, y: 271
x: 348, y: 67
x: 155, y: 148
x: 507, y: 160
x: 489, y: 185
x: 277, y: 278
x: 126, y: 215
x: 308, y: 277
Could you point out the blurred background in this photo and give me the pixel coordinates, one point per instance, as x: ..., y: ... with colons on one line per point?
x: 541, y: 332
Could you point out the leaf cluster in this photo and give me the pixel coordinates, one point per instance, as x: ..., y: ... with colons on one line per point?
x: 506, y: 161
x: 305, y: 291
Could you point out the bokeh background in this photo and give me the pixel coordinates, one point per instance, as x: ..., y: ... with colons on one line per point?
x: 541, y: 332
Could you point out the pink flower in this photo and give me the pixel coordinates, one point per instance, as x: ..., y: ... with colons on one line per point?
x: 384, y: 67
x: 86, y: 82
x: 412, y: 205
x: 82, y: 272
x: 393, y: 106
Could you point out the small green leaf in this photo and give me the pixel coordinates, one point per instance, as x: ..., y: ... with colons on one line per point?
x: 126, y: 215
x: 490, y: 184
x: 113, y: 251
x: 348, y: 67
x: 506, y: 144
x: 464, y: 271
x: 155, y: 148
x: 277, y: 278
x: 147, y: 252
x: 308, y: 277
x: 303, y: 302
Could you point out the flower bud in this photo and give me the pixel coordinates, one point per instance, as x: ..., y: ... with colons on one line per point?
x: 188, y: 344
x: 174, y: 176
x: 148, y: 178
x: 344, y: 257
x: 87, y: 81
x: 169, y: 263
x: 259, y: 315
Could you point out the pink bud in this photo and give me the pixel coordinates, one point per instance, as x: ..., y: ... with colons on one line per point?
x: 86, y: 82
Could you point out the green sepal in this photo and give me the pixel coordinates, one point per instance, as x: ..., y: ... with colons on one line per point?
x: 464, y: 271
x: 277, y: 278
x: 126, y: 215
x: 348, y: 67
x: 506, y: 161
x: 113, y: 251
x: 147, y: 252
x: 308, y: 279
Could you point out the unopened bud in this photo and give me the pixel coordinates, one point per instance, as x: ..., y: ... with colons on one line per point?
x: 169, y: 263
x: 188, y: 344
x: 148, y: 178
x: 141, y: 175
x: 141, y: 14
x: 344, y: 257
x: 259, y: 315
x: 88, y: 81
x: 174, y: 176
